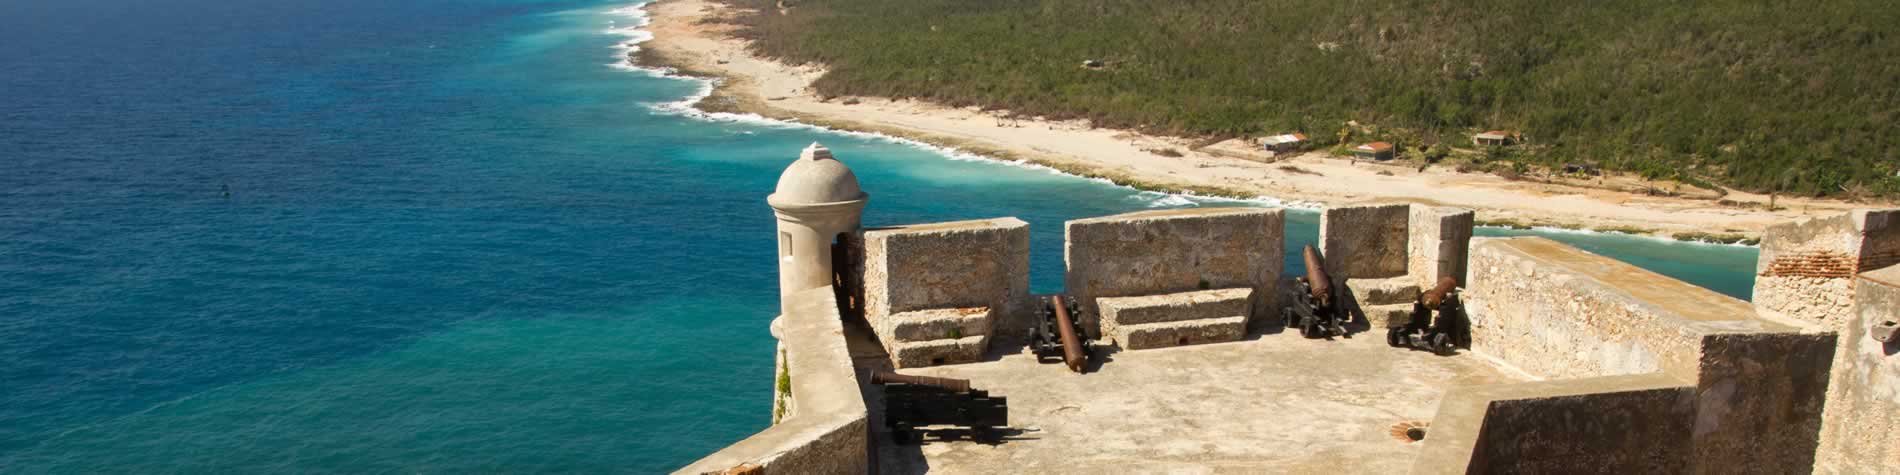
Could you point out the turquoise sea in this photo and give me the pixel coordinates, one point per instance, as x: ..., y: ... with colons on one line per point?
x: 426, y: 236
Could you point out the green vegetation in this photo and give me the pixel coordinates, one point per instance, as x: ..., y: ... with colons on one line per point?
x: 1502, y: 223
x: 784, y: 388
x: 1632, y: 230
x: 1796, y: 97
x: 1717, y: 238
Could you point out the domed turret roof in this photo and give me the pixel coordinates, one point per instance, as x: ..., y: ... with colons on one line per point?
x: 817, y: 178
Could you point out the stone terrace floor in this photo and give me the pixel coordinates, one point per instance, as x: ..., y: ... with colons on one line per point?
x: 1275, y: 403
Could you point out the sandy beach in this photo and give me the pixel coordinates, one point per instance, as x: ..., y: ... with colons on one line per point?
x: 683, y: 40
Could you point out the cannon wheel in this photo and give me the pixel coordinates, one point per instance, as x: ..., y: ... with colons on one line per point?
x: 1394, y: 337
x: 1441, y: 344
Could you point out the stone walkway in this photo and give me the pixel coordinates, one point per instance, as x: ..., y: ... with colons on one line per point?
x: 1274, y: 403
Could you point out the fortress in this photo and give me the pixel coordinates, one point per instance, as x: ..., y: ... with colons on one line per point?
x: 1576, y: 362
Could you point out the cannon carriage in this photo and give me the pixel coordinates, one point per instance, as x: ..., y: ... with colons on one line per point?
x: 911, y: 402
x: 1438, y: 323
x: 1315, y: 312
x: 1058, y: 333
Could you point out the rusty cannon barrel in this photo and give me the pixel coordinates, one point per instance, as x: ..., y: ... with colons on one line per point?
x: 1072, y: 352
x: 1316, y: 280
x: 1433, y: 297
x: 948, y: 384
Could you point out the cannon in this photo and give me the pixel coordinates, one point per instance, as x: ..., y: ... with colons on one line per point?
x: 1438, y: 322
x: 917, y: 401
x: 1057, y: 334
x: 1315, y: 311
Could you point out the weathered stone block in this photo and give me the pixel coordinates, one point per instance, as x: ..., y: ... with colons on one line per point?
x: 1379, y: 317
x: 940, y: 323
x: 1159, y: 252
x: 917, y: 354
x: 1181, y: 306
x: 1180, y: 333
x: 1395, y: 290
x: 1365, y: 241
x: 1439, y: 243
x: 943, y: 267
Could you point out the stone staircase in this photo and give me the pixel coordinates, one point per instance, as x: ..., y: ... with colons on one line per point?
x: 938, y: 336
x: 1184, y: 318
x: 1384, y: 301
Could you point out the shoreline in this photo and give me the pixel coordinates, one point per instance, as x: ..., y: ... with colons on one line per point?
x: 679, y: 39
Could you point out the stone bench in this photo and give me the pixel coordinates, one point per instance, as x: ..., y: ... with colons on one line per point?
x: 939, y: 336
x: 1382, y: 302
x: 1176, y: 319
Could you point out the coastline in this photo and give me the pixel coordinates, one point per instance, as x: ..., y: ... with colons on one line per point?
x: 680, y: 39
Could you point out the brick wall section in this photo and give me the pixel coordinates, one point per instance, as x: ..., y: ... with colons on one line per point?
x: 1806, y: 267
x: 1818, y: 264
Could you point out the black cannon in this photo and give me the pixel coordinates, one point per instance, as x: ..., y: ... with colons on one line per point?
x: 1057, y: 333
x: 1315, y: 311
x: 1442, y: 333
x: 917, y: 401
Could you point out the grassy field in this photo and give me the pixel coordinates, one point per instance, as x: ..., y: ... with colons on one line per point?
x: 1796, y: 97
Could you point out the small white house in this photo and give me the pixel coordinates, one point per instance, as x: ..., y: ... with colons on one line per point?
x: 1284, y: 143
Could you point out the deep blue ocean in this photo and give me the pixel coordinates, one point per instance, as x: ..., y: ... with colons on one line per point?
x: 425, y: 236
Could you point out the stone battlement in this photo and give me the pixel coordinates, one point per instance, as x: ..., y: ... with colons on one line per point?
x: 1575, y: 360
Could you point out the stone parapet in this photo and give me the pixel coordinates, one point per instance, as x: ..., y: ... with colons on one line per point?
x: 1439, y: 243
x: 955, y: 281
x: 825, y: 429
x: 1365, y: 242
x: 1614, y: 424
x: 1559, y: 312
x: 1169, y: 251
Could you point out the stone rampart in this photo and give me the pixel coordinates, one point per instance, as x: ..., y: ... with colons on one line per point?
x: 1614, y: 424
x: 1158, y: 252
x: 824, y: 429
x: 1559, y: 312
x: 1861, y: 432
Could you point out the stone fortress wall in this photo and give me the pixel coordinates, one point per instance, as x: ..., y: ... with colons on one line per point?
x: 1563, y: 314
x: 1838, y: 273
x: 938, y: 293
x: 1161, y: 253
x: 1629, y: 370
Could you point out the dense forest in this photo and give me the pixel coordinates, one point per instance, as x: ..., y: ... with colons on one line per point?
x: 1795, y: 97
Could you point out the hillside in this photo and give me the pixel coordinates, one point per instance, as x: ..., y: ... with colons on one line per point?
x: 1798, y: 98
